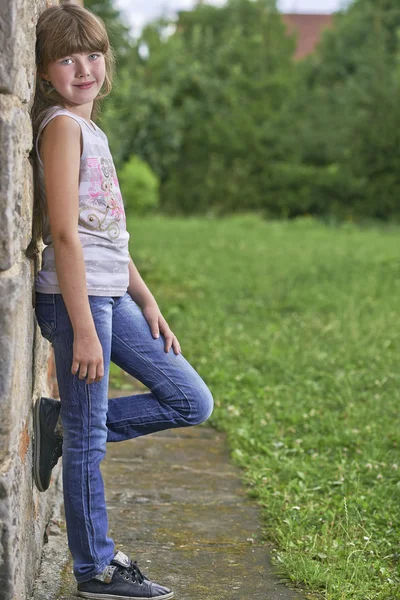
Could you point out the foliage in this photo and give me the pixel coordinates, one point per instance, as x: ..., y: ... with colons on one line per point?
x: 228, y: 120
x: 139, y: 186
x: 351, y: 118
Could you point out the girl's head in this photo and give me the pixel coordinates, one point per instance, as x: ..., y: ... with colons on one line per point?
x: 63, y: 31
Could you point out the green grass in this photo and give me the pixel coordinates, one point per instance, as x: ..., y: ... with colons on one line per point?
x: 295, y: 328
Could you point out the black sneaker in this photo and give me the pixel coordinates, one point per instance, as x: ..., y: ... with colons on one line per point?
x: 47, y: 443
x: 122, y: 579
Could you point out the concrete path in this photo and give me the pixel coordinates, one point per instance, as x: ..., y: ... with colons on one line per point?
x: 176, y: 505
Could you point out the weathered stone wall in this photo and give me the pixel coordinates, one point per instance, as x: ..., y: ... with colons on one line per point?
x: 26, y: 363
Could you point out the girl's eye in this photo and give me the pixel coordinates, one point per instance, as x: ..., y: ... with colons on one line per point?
x: 94, y: 54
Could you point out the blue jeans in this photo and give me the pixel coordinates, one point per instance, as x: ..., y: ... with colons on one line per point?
x: 178, y: 398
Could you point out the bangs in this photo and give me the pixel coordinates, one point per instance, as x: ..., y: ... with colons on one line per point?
x: 71, y: 34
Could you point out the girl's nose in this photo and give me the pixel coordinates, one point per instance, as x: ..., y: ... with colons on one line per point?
x: 83, y: 70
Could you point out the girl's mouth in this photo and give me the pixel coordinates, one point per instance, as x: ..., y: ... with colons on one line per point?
x: 85, y: 86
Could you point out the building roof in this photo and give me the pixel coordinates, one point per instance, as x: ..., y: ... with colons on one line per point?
x: 309, y: 29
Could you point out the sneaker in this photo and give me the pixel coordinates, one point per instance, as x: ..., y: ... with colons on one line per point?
x: 122, y: 579
x: 47, y: 443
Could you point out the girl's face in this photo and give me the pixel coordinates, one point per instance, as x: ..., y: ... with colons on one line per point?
x: 67, y: 75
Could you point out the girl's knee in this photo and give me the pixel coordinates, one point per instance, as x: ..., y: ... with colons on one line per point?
x: 202, y: 405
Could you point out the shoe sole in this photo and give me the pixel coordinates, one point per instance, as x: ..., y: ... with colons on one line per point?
x: 36, y: 446
x: 114, y: 597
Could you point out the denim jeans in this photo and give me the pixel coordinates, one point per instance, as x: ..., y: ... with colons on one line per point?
x: 178, y: 398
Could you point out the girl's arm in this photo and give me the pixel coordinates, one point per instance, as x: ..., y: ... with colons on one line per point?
x: 137, y: 289
x: 140, y: 293
x: 60, y: 152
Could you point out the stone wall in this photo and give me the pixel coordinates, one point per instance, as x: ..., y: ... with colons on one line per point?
x: 26, y: 362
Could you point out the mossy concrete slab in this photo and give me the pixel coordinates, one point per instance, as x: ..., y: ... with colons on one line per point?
x: 176, y: 504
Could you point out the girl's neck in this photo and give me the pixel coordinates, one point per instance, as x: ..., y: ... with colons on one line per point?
x: 82, y: 110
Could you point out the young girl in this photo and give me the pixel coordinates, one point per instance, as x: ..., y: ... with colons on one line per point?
x: 92, y: 304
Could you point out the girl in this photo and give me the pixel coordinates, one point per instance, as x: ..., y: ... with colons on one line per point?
x: 92, y: 304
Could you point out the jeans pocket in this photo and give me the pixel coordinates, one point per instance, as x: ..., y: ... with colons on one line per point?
x: 45, y: 312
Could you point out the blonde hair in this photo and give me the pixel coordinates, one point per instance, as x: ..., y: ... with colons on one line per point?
x: 61, y: 31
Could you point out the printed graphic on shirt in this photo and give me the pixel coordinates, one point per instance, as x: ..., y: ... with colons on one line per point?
x: 103, y: 209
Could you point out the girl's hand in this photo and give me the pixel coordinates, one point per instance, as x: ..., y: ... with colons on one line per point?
x: 87, y: 356
x: 159, y: 325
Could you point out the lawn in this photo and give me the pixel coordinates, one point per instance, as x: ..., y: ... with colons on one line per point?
x: 295, y: 328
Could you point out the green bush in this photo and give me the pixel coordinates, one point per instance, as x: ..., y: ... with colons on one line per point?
x: 139, y: 186
x: 297, y: 189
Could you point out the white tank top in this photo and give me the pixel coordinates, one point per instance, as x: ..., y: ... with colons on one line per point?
x: 101, y: 222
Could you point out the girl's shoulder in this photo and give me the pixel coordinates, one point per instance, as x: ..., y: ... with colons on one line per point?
x: 52, y: 129
x: 93, y: 139
x: 48, y: 118
x: 55, y: 111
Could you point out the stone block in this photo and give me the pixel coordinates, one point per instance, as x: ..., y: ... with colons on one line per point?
x: 16, y: 182
x: 15, y: 352
x: 17, y: 41
x: 23, y: 522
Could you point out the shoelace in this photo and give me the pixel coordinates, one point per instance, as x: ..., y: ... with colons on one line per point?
x: 133, y: 568
x: 132, y: 572
x: 56, y: 454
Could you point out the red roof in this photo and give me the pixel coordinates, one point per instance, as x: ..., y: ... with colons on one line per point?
x: 309, y: 29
